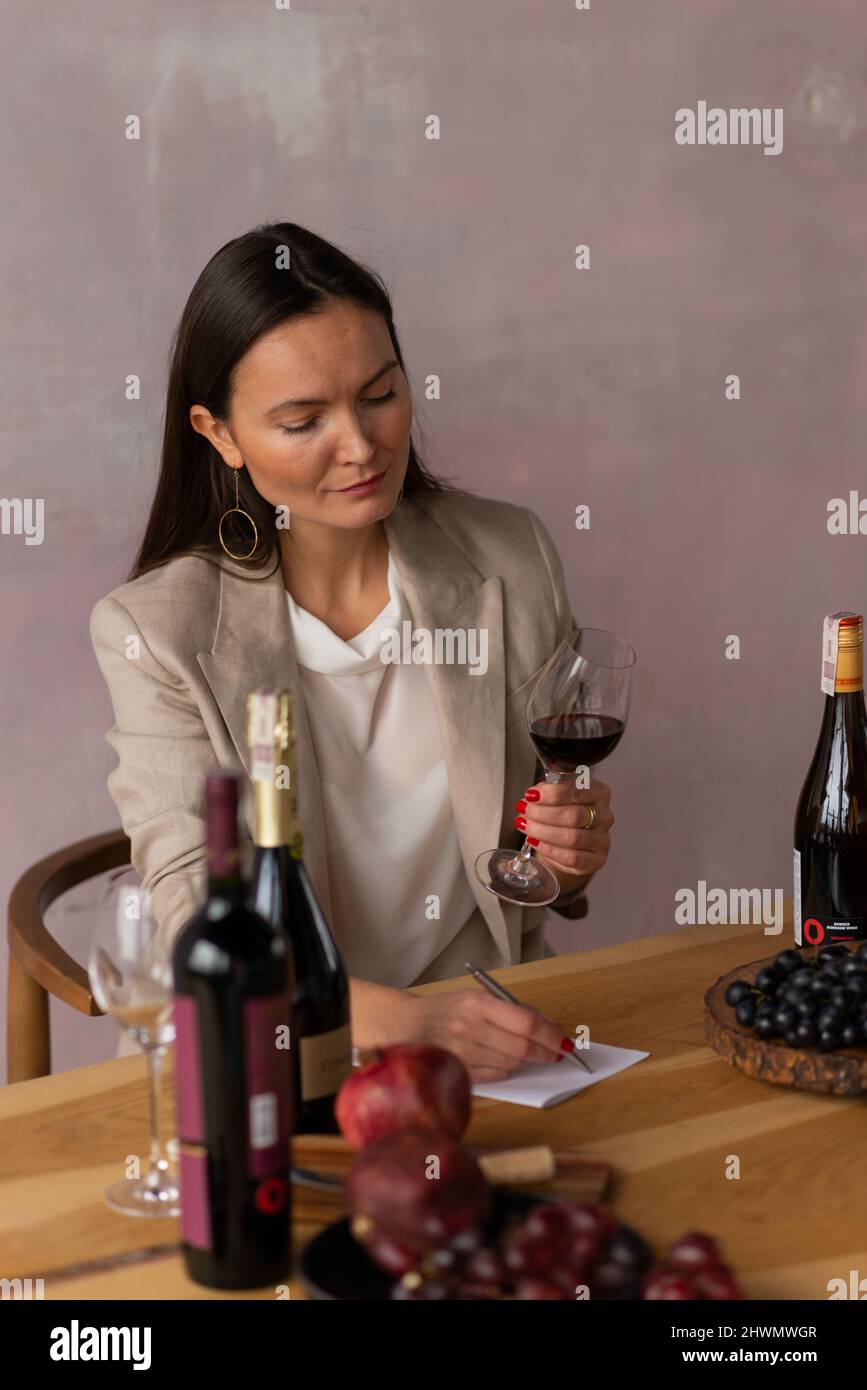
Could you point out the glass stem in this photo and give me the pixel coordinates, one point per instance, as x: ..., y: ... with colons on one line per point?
x: 159, y: 1164
x: 520, y: 859
x: 519, y: 863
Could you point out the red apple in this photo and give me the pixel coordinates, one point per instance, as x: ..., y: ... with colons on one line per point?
x: 394, y: 1194
x: 405, y: 1086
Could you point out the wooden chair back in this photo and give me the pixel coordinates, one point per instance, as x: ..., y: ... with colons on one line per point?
x: 38, y: 965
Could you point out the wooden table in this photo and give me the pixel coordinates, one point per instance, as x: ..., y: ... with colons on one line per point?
x: 793, y: 1220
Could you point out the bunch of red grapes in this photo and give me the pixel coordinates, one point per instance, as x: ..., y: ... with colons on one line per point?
x: 561, y: 1251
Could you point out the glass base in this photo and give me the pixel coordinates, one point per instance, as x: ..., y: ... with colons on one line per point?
x: 144, y: 1199
x: 533, y: 884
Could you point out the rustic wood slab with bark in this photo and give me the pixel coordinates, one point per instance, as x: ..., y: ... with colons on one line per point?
x: 839, y: 1073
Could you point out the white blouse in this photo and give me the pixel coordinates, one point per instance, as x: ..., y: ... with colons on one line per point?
x: 393, y: 858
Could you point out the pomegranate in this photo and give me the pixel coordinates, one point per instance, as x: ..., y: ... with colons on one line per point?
x: 395, y: 1193
x: 405, y: 1086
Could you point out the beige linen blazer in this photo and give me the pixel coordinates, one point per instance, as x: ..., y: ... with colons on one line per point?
x: 182, y: 646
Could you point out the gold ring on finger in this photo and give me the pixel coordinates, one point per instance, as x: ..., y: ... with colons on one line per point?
x: 592, y: 821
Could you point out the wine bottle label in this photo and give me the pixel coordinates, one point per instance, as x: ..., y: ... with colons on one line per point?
x: 188, y: 1070
x: 830, y: 637
x: 262, y: 717
x: 268, y: 1095
x: 268, y: 1074
x: 824, y: 930
x: 821, y: 929
x: 194, y: 1178
x: 195, y: 1198
x: 326, y: 1060
x: 842, y: 658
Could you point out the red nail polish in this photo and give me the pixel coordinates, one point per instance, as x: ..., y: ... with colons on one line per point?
x: 532, y: 841
x: 520, y: 823
x: 532, y: 794
x: 566, y: 1045
x: 520, y: 805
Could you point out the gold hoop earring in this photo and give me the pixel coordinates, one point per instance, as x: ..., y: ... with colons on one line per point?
x: 228, y: 512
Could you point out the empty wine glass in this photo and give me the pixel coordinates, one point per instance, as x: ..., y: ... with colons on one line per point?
x: 576, y: 713
x: 131, y: 977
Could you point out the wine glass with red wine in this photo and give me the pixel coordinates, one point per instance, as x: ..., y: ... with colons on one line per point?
x: 576, y: 713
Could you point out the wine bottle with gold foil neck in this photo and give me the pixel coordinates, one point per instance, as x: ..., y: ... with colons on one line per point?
x: 281, y: 891
x: 831, y: 819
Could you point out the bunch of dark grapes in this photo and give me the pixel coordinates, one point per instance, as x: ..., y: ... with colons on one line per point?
x: 560, y: 1248
x: 809, y: 1001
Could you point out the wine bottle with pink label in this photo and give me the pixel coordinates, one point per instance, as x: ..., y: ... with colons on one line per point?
x: 232, y: 1009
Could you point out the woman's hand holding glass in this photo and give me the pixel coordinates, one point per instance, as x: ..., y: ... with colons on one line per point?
x: 556, y: 818
x: 576, y: 715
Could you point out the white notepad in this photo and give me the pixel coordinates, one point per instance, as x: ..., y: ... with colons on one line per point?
x: 541, y: 1084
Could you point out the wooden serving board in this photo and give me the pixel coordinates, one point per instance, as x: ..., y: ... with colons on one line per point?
x: 842, y: 1073
x: 577, y: 1178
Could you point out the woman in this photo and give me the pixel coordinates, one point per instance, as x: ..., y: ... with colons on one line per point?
x: 293, y: 523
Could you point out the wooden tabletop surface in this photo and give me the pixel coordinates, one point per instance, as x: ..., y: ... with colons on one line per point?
x: 795, y: 1218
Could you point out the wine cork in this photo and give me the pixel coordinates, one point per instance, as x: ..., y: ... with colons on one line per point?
x: 519, y: 1165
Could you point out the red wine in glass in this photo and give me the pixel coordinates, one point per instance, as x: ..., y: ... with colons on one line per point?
x: 567, y: 741
x: 576, y: 715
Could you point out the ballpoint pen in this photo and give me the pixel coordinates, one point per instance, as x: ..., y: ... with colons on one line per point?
x: 492, y: 986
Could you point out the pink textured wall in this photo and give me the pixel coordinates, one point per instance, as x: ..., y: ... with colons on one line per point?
x: 559, y: 387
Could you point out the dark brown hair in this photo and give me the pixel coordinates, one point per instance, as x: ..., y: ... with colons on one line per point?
x: 241, y: 294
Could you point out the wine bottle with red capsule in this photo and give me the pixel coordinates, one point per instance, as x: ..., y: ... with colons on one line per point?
x: 232, y: 1011
x: 831, y: 819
